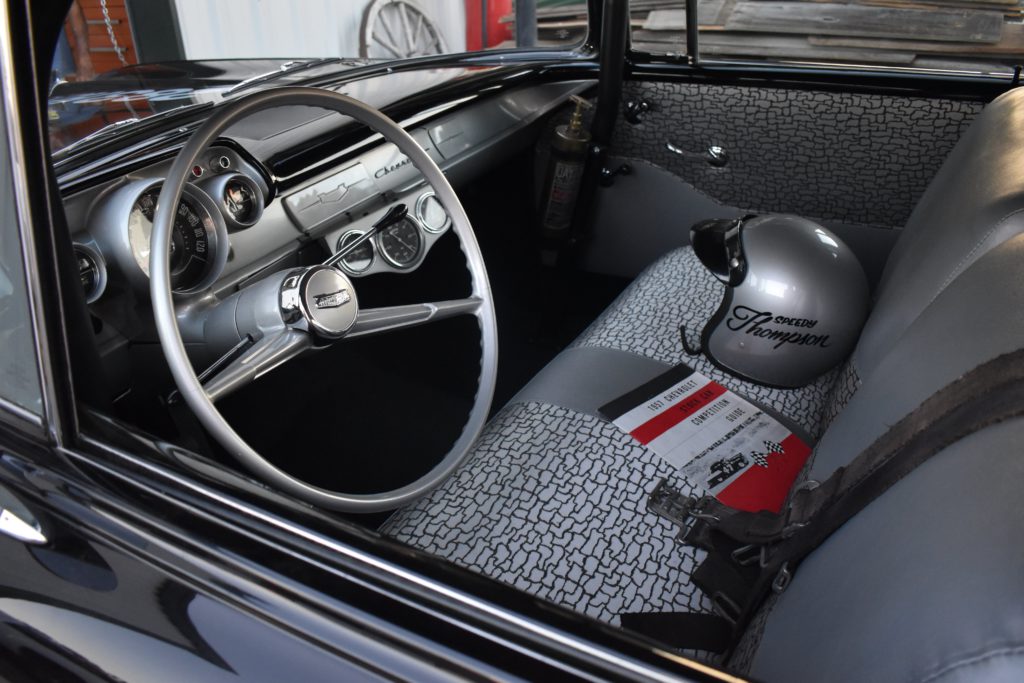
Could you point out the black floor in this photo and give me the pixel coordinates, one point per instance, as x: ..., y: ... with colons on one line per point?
x: 540, y: 309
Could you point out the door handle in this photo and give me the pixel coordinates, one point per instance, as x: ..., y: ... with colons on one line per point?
x: 715, y: 155
x: 17, y: 521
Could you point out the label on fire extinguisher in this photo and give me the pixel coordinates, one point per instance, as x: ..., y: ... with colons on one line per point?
x: 565, y: 183
x: 719, y: 440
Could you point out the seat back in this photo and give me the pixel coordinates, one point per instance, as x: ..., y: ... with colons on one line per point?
x: 922, y: 584
x: 974, y: 203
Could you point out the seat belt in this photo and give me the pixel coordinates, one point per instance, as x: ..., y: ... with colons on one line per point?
x: 751, y: 555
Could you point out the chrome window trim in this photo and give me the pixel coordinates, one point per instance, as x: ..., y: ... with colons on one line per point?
x: 50, y: 418
x: 17, y: 416
x: 434, y: 586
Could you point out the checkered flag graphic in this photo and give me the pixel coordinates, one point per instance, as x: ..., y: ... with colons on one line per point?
x: 761, y: 459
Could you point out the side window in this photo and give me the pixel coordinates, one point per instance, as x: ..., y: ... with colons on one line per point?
x: 952, y: 35
x: 19, y: 378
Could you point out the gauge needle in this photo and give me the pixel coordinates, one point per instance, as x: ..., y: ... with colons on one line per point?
x: 403, y: 243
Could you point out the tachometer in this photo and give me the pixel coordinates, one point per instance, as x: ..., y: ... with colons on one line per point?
x: 401, y: 243
x: 190, y: 241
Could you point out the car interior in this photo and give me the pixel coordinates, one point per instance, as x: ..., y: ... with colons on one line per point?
x: 491, y: 353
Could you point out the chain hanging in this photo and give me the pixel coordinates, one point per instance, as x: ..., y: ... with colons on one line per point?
x: 118, y: 50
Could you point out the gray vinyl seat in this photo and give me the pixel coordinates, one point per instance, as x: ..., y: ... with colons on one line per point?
x: 922, y: 585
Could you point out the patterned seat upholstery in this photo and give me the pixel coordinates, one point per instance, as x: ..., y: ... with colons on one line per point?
x: 552, y: 501
x: 918, y: 586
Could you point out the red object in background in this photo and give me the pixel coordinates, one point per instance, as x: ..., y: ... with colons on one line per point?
x: 487, y: 31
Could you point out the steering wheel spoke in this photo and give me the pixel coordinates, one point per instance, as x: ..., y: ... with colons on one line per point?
x: 377, y: 320
x: 266, y: 354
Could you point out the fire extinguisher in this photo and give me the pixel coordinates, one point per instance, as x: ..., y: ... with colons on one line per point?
x: 562, y: 181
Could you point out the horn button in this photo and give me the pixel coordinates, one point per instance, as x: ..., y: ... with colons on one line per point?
x: 323, y: 298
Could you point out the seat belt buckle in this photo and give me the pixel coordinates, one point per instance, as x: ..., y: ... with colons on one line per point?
x: 673, y: 505
x: 781, y: 581
x: 750, y: 554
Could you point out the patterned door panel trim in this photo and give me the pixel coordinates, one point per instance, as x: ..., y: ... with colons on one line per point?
x: 831, y: 156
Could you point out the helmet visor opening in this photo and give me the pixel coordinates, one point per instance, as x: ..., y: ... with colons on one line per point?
x: 716, y: 243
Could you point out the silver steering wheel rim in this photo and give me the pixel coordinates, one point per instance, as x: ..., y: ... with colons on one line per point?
x: 174, y: 349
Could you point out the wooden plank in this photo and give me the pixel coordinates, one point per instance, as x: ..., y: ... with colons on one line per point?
x: 1012, y: 43
x: 868, y: 22
x: 968, y: 4
x: 792, y: 48
x: 709, y: 12
x: 932, y: 5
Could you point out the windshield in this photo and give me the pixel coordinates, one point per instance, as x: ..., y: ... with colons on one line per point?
x: 121, y: 61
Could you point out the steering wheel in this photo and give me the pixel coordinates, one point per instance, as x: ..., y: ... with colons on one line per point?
x: 276, y: 319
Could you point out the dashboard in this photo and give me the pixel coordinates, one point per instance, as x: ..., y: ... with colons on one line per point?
x: 236, y: 222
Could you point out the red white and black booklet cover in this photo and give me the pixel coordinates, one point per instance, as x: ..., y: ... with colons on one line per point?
x: 719, y: 440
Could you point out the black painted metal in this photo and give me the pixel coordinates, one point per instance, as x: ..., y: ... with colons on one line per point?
x: 612, y: 53
x: 526, y: 23
x: 188, y: 560
x: 612, y: 63
x: 148, y: 511
x: 692, y: 32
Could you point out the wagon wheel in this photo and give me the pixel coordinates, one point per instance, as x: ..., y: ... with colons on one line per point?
x: 398, y: 29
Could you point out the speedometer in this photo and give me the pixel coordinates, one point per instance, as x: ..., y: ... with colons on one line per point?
x: 122, y: 226
x: 190, y: 239
x: 401, y: 243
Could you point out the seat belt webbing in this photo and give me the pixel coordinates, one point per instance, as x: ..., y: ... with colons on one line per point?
x: 776, y: 543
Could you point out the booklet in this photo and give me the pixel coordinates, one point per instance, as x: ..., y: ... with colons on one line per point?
x: 717, y: 439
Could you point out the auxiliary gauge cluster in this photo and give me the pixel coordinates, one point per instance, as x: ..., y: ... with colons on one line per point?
x: 399, y: 247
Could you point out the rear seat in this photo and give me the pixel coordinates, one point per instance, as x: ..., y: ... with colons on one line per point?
x: 922, y: 585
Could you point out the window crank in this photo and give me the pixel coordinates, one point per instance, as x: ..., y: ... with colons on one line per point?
x: 714, y: 155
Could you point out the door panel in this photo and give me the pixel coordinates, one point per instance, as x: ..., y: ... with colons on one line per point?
x: 832, y: 156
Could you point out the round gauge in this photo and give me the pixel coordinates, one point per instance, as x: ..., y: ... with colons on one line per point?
x: 190, y: 239
x: 401, y: 243
x: 242, y: 200
x: 239, y: 197
x: 431, y: 214
x: 360, y: 259
x: 91, y: 271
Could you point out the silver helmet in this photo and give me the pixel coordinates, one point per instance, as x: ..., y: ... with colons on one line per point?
x: 795, y: 300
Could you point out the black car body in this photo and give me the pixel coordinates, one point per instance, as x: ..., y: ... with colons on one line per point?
x: 155, y: 561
